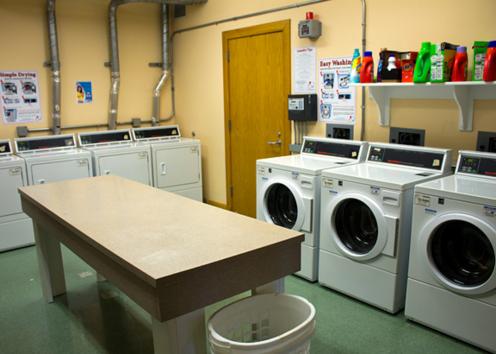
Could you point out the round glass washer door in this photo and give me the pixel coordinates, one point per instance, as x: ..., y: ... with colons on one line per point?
x: 281, y: 205
x: 462, y: 253
x: 460, y: 250
x: 356, y: 226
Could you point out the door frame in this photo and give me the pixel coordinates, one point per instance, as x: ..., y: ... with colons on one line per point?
x: 279, y: 26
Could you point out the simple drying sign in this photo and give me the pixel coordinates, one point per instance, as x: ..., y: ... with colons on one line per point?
x: 19, y: 95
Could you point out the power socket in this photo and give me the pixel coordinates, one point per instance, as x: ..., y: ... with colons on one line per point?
x: 486, y: 141
x: 407, y: 136
x: 339, y: 131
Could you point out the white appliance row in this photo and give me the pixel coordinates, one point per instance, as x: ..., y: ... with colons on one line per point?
x: 156, y: 156
x: 394, y: 219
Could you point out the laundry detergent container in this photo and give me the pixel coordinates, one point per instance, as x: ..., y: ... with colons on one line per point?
x: 269, y: 323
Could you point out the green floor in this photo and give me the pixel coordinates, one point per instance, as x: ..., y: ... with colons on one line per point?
x: 97, y: 318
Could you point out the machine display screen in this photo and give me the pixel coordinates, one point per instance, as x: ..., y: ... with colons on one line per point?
x: 105, y: 137
x: 477, y: 166
x: 147, y: 133
x: 411, y: 158
x: 5, y: 147
x: 45, y: 143
x: 331, y: 149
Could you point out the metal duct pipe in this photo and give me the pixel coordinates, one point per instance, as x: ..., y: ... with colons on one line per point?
x: 364, y: 46
x: 114, y: 51
x: 55, y: 66
x: 165, y: 66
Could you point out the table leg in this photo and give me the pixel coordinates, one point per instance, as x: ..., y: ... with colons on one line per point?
x: 181, y: 335
x: 50, y: 263
x: 277, y: 286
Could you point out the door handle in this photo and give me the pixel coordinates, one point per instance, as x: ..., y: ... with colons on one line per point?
x: 277, y: 142
x: 106, y: 172
x: 163, y: 168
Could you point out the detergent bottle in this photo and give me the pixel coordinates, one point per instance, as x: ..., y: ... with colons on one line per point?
x: 367, y: 70
x: 356, y: 65
x: 423, y: 64
x: 459, y: 72
x: 490, y: 62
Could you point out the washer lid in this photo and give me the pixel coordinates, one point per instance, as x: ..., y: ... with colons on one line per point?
x: 305, y: 164
x: 385, y: 176
x: 461, y: 187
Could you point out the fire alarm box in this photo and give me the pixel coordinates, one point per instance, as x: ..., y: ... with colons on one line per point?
x: 309, y: 28
x: 302, y: 107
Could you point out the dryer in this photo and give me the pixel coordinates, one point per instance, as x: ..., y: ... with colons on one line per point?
x: 16, y: 229
x: 452, y: 274
x: 53, y: 158
x: 176, y: 161
x: 288, y: 190
x: 365, y: 220
x: 114, y: 153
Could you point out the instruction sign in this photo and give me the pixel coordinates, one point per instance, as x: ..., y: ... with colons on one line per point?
x: 304, y: 63
x: 84, y: 92
x: 336, y: 96
x: 19, y: 95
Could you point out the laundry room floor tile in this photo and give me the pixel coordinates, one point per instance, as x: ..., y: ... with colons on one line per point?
x: 97, y: 318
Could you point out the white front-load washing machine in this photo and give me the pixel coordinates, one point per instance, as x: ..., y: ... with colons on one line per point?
x: 288, y: 190
x: 176, y: 161
x: 366, y: 213
x: 452, y: 274
x: 53, y: 158
x: 115, y: 153
x: 16, y: 229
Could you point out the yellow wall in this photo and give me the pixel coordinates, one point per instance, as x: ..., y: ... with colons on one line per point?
x: 400, y: 25
x: 83, y: 30
x: 83, y: 39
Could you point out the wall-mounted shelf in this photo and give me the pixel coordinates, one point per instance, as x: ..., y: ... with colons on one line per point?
x: 464, y: 94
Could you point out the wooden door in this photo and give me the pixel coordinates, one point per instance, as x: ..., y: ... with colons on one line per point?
x: 256, y: 87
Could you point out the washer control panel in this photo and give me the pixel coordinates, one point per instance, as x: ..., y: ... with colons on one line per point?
x: 5, y: 148
x: 155, y: 133
x: 105, y: 137
x: 405, y: 157
x: 335, y: 149
x: 477, y: 165
x: 45, y: 143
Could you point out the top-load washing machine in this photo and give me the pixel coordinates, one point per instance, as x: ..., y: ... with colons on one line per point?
x: 452, y: 274
x: 114, y: 153
x: 176, y: 161
x: 288, y: 190
x: 365, y: 220
x: 53, y: 158
x: 16, y: 229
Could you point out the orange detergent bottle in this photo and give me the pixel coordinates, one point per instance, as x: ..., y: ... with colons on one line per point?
x: 459, y: 72
x: 367, y: 70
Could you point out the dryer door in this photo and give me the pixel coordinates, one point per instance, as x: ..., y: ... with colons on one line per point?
x: 61, y: 170
x: 359, y: 227
x: 133, y: 165
x: 460, y: 250
x: 11, y: 179
x: 176, y: 167
x: 284, y: 206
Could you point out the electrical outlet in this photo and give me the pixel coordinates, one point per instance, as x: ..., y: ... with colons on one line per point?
x: 486, y: 141
x: 339, y: 131
x: 407, y: 136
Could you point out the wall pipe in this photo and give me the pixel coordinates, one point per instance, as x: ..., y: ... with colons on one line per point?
x: 54, y: 64
x: 364, y: 46
x: 165, y: 66
x: 114, y: 54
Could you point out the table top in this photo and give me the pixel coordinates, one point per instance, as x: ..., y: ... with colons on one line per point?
x: 153, y: 233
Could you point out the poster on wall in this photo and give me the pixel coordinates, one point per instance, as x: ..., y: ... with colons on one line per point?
x: 304, y: 64
x: 84, y: 92
x: 336, y: 96
x: 19, y: 95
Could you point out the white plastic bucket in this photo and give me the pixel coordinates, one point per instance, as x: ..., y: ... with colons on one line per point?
x: 269, y: 323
